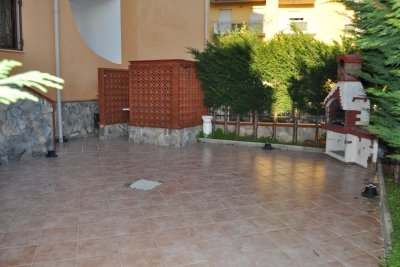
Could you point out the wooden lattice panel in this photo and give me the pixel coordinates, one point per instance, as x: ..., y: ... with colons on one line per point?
x: 113, y: 96
x: 164, y: 94
x: 191, y: 96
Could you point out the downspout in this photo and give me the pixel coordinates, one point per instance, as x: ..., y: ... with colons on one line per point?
x: 58, y: 73
x: 206, y: 14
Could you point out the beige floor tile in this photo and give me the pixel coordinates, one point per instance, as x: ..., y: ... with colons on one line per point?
x: 143, y: 258
x: 139, y: 241
x: 20, y: 238
x: 56, y: 251
x: 217, y: 206
x: 97, y: 247
x: 17, y: 255
x: 51, y: 235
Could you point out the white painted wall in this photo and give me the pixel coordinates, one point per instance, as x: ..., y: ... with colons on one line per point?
x: 99, y: 23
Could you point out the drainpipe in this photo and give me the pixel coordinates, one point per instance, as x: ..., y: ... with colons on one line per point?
x: 58, y: 74
x: 206, y: 13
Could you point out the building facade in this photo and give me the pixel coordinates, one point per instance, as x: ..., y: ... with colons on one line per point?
x: 324, y: 19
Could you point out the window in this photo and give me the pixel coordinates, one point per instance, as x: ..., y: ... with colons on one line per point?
x: 300, y: 23
x: 10, y: 24
x: 224, y: 24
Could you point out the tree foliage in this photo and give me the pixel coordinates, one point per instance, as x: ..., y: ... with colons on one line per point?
x: 228, y: 74
x: 377, y: 33
x: 10, y: 86
x: 300, y: 69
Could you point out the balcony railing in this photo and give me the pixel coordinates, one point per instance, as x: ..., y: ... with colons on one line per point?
x: 236, y: 1
x: 221, y: 27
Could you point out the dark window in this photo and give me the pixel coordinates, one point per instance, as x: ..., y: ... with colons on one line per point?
x: 10, y: 24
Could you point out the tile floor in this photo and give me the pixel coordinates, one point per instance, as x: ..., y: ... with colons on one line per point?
x: 218, y: 206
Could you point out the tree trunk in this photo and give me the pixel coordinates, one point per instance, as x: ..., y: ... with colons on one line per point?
x: 295, y: 126
x: 274, y: 122
x: 213, y: 121
x: 225, y: 120
x: 255, y: 126
x: 237, y: 129
x: 317, y: 131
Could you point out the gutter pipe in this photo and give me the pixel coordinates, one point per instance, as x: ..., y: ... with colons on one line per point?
x: 206, y: 14
x: 58, y: 72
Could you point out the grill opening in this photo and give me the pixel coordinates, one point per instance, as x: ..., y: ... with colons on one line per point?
x: 336, y: 115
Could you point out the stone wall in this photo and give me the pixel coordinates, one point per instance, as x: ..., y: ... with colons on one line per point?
x: 284, y: 134
x: 164, y: 137
x: 78, y: 119
x: 112, y: 131
x: 26, y: 130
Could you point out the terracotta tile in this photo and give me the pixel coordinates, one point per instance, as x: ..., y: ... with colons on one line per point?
x: 233, y: 261
x: 343, y: 227
x: 32, y: 211
x: 238, y: 201
x: 164, y: 222
x: 365, y: 240
x: 364, y: 260
x: 65, y: 263
x: 284, y: 237
x: 223, y: 215
x: 20, y: 238
x: 195, y: 218
x: 61, y: 220
x: 250, y: 211
x: 273, y: 258
x: 278, y: 215
x: 97, y: 247
x: 95, y: 230
x: 51, y: 235
x: 238, y: 227
x: 28, y: 223
x: 17, y: 255
x: 110, y: 260
x: 158, y: 211
x: 121, y: 204
x: 182, y: 255
x: 218, y: 248
x: 253, y: 243
x: 175, y: 236
x: 307, y: 255
x: 143, y: 258
x: 366, y: 222
x: 267, y: 223
x: 139, y: 241
x: 214, y: 204
x: 206, y: 232
x: 56, y: 251
x: 95, y: 217
x: 130, y: 226
x: 126, y: 215
x: 314, y: 232
x: 93, y: 205
x: 339, y: 248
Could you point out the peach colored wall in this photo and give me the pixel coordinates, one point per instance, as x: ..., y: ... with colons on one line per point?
x: 326, y: 17
x: 165, y: 28
x: 151, y: 29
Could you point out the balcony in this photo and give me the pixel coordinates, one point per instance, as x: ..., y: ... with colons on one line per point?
x: 296, y: 2
x: 222, y: 27
x: 236, y: 1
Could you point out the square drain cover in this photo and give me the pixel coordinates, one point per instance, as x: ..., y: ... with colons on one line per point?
x: 144, y: 184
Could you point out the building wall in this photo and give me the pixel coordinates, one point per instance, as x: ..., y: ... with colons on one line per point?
x: 326, y: 19
x: 150, y: 29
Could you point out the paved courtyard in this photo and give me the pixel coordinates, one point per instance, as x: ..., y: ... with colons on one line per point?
x: 218, y: 205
